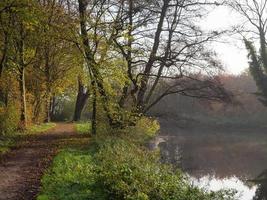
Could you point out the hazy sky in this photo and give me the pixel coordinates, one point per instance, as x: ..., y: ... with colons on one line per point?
x: 231, y: 51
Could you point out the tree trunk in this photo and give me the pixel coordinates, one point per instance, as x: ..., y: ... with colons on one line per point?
x: 81, y: 100
x: 128, y: 56
x: 3, y: 97
x: 123, y: 96
x: 23, y: 107
x: 4, y: 54
x: 37, y: 109
x: 48, y: 109
x: 94, y: 110
x: 22, y: 87
x: 53, y: 108
x: 92, y: 65
x: 149, y: 65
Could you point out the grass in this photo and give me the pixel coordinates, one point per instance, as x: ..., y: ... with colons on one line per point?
x: 83, y: 127
x: 10, y: 140
x: 41, y: 128
x: 72, y: 173
x: 6, y: 143
x: 70, y: 177
x: 117, y: 167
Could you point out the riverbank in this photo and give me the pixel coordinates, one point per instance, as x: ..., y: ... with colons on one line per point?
x: 117, y: 165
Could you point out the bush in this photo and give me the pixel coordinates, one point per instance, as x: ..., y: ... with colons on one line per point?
x: 9, y: 119
x: 118, y: 167
x: 126, y: 171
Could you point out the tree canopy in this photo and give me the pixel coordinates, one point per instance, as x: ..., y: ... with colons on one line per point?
x: 125, y: 56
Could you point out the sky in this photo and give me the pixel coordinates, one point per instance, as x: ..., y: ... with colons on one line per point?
x: 231, y: 50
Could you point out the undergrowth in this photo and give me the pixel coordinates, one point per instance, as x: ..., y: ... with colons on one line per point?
x: 83, y: 127
x: 117, y: 166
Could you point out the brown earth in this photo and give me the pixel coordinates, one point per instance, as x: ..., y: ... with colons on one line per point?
x: 22, y: 168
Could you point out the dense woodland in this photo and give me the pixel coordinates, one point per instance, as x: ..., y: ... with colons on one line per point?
x: 114, y: 63
x: 51, y: 49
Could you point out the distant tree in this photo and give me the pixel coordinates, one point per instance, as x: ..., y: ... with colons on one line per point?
x: 81, y: 100
x: 258, y: 70
x: 255, y: 14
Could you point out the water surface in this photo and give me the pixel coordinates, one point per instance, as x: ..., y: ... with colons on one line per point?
x: 218, y: 157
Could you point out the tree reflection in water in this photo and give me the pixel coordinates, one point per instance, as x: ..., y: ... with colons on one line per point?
x: 261, y: 181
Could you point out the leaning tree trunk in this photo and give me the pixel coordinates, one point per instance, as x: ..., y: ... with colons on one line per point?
x: 149, y: 65
x: 81, y: 100
x: 93, y: 66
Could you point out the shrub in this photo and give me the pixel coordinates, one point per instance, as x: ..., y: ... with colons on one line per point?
x: 128, y: 172
x: 147, y: 126
x: 9, y: 119
x: 119, y: 167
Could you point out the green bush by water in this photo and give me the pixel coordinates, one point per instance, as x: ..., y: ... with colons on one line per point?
x: 118, y: 167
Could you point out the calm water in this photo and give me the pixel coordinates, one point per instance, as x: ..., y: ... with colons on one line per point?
x: 211, y: 183
x: 218, y: 157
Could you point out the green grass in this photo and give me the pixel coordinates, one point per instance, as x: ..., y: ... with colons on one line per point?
x: 6, y: 143
x: 40, y: 128
x: 70, y: 177
x: 118, y: 167
x: 83, y: 127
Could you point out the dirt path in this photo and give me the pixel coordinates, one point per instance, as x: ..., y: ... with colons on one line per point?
x: 22, y: 168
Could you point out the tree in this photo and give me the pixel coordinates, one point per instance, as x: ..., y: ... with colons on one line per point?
x: 58, y: 57
x: 24, y: 22
x: 36, y: 49
x: 174, y: 49
x: 171, y: 47
x: 96, y: 51
x: 82, y: 97
x: 255, y: 14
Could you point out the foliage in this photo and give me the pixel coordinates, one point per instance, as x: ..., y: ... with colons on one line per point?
x: 6, y: 142
x: 148, y: 127
x: 83, y: 127
x: 9, y: 119
x: 257, y: 28
x: 117, y: 168
x: 258, y: 71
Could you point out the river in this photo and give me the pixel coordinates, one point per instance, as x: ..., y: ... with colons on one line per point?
x: 218, y: 156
